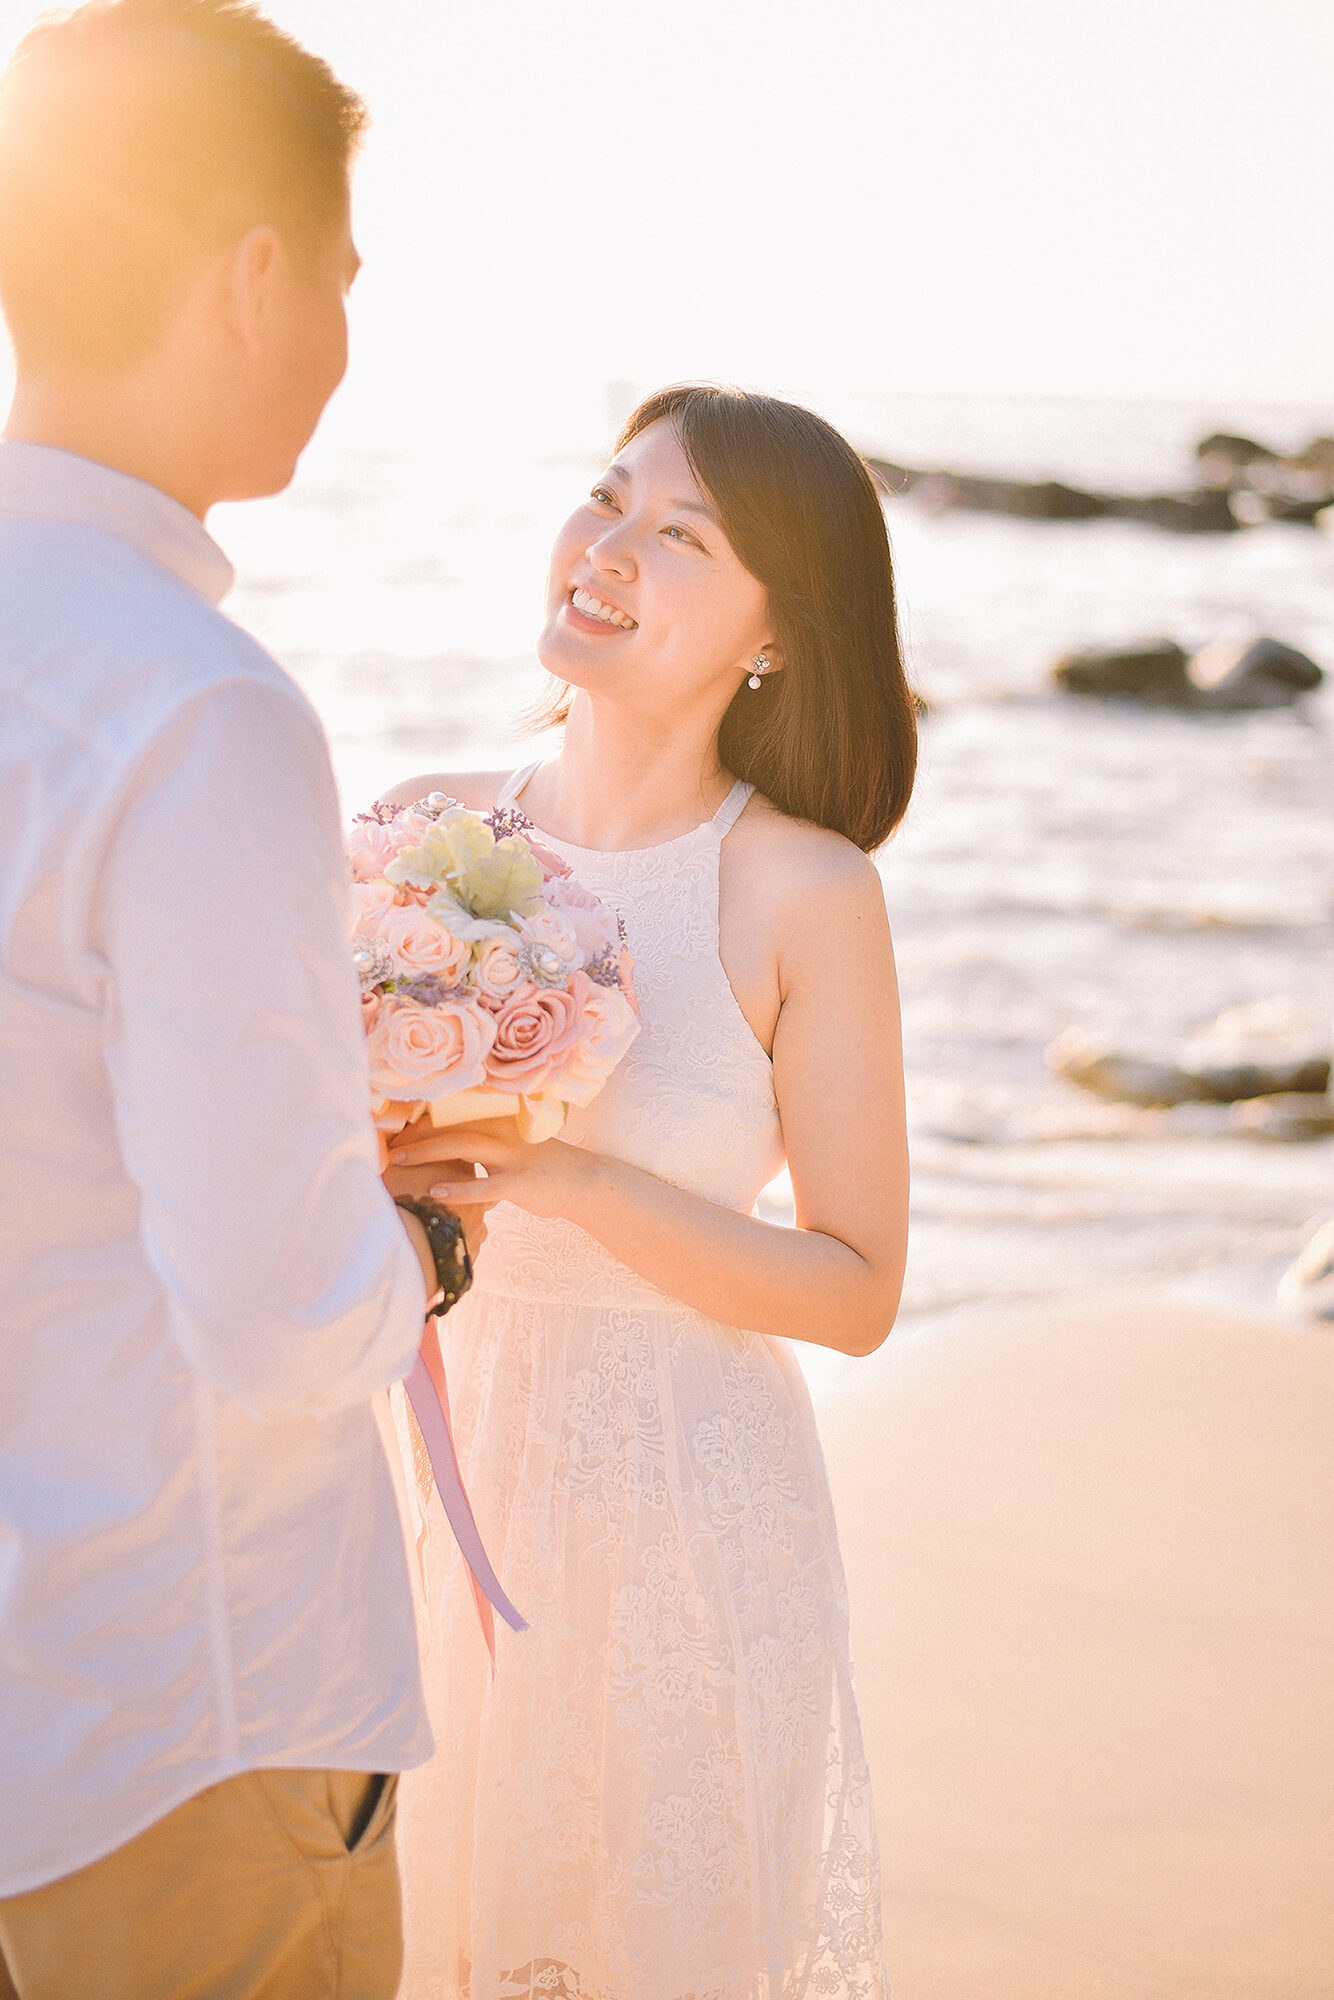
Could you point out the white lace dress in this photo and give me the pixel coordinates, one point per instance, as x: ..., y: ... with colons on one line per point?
x: 662, y: 1794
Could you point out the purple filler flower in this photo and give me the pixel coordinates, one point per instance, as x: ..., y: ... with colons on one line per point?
x: 428, y: 990
x: 506, y: 820
x: 381, y: 814
x: 605, y: 969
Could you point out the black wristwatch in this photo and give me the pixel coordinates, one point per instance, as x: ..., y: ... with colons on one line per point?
x: 444, y: 1233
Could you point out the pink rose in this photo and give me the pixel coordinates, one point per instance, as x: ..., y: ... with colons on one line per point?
x: 533, y: 1032
x: 594, y: 925
x: 497, y: 970
x: 553, y: 868
x: 607, y: 1026
x: 371, y: 847
x: 422, y: 1052
x: 371, y: 1004
x: 419, y: 944
x: 370, y: 901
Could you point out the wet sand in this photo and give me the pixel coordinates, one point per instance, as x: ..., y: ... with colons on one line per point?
x: 1089, y: 1560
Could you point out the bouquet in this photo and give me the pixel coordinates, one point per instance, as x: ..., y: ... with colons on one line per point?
x: 492, y: 985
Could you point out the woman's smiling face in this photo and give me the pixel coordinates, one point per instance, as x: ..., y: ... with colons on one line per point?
x: 646, y: 600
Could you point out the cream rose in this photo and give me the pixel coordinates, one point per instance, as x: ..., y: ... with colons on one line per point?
x: 533, y: 1032
x: 422, y: 1052
x: 497, y: 969
x: 550, y: 929
x: 370, y: 901
x: 420, y: 944
x: 607, y: 1026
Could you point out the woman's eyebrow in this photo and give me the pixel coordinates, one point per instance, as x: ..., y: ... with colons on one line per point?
x: 621, y: 473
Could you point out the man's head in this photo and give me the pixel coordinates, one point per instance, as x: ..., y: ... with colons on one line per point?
x: 177, y: 171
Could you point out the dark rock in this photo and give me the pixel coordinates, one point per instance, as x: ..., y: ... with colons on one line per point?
x: 1025, y: 499
x: 1289, y: 1119
x: 1205, y: 511
x: 1317, y: 457
x: 1154, y: 672
x: 1307, y: 1286
x: 1237, y: 451
x: 1263, y: 674
x: 1232, y: 469
x: 1140, y: 1079
x: 1262, y: 484
x: 1302, y: 513
x: 1226, y: 677
x: 1030, y: 500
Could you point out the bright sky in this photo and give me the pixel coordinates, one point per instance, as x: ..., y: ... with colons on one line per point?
x: 857, y: 194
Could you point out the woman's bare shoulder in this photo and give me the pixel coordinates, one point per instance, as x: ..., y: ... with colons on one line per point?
x: 478, y: 789
x: 798, y: 859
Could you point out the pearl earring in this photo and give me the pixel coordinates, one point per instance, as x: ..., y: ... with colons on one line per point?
x: 761, y: 667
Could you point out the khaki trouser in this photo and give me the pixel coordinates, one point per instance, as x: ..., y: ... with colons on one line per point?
x: 277, y: 1885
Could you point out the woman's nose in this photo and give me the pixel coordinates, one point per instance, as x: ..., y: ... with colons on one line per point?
x: 611, y: 553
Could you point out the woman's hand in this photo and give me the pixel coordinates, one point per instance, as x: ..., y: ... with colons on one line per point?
x: 546, y: 1179
x: 440, y: 1158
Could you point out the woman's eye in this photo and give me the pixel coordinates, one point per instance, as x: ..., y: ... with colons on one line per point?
x: 680, y: 534
x: 601, y: 495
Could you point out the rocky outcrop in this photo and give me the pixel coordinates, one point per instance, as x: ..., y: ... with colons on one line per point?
x: 1260, y: 484
x: 1225, y: 677
x: 1204, y: 511
x: 1240, y: 483
x: 1264, y: 674
x: 1265, y: 1050
x: 1289, y: 1117
x: 1157, y: 1081
x: 1223, y: 457
x: 1154, y: 672
x: 1026, y: 499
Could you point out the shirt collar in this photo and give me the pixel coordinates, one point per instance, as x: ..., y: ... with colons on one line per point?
x: 48, y: 484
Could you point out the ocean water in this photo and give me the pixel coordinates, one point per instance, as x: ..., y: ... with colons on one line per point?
x: 1064, y: 863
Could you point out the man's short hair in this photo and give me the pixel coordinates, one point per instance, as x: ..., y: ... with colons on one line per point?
x: 138, y: 138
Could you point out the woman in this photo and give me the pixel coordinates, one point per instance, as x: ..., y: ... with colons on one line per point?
x: 661, y: 1795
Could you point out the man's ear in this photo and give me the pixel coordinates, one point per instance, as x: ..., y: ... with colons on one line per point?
x: 249, y: 278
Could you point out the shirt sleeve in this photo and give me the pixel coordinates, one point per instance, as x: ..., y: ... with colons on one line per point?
x: 238, y: 1063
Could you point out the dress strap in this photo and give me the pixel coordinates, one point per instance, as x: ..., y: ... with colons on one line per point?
x: 512, y: 786
x: 732, y: 807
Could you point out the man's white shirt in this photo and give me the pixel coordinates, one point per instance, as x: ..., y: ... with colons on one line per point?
x: 202, y: 1279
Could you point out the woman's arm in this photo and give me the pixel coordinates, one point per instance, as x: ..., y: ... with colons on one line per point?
x: 838, y: 1075
x: 477, y: 789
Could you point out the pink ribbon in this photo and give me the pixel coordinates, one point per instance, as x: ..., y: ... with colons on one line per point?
x: 429, y: 1396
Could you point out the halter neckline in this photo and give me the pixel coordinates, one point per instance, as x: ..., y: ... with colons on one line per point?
x: 721, y: 822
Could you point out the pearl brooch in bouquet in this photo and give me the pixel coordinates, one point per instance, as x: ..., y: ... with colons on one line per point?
x: 492, y: 984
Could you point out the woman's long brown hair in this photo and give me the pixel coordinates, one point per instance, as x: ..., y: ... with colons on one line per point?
x: 832, y: 737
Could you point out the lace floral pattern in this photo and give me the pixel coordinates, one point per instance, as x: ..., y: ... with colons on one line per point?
x: 662, y: 1795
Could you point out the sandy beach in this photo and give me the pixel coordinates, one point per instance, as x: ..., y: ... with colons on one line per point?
x: 1088, y: 1556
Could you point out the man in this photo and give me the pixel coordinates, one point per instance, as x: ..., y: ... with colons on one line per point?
x: 207, y: 1654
